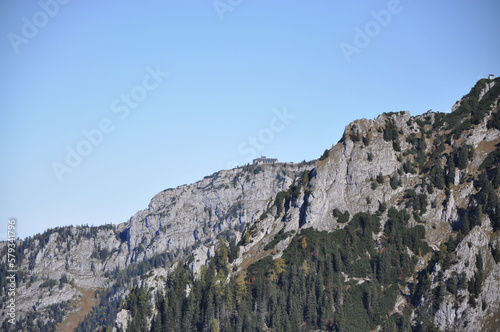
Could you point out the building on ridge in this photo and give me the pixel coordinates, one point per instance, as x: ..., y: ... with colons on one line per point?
x: 263, y: 160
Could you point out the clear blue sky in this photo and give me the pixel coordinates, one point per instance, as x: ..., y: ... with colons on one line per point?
x: 68, y: 68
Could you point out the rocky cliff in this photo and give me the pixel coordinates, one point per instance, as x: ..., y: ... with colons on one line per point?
x: 176, y: 223
x: 440, y: 168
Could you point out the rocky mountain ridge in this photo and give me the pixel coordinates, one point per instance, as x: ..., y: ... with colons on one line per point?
x: 428, y: 165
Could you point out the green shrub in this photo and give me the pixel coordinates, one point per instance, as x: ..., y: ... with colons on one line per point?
x: 396, y: 146
x: 408, y: 167
x: 355, y: 136
x: 277, y: 238
x: 341, y: 217
x: 366, y: 140
x: 395, y: 181
x: 382, y: 206
x: 48, y: 283
x: 325, y: 155
x: 390, y: 130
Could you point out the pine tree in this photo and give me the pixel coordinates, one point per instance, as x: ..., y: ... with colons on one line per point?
x: 479, y: 264
x: 214, y: 327
x: 279, y: 265
x: 156, y: 325
x: 311, y: 310
x: 326, y: 312
x: 465, y: 224
x: 241, y: 289
x: 280, y: 319
x: 496, y: 178
x: 463, y: 157
x: 295, y: 314
x: 305, y: 267
x: 450, y: 175
x: 452, y: 284
x: 234, y: 250
x: 422, y: 147
x: 437, y: 175
x: 380, y: 178
x: 496, y: 219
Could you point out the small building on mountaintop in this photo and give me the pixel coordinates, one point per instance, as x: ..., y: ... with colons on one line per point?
x: 263, y: 160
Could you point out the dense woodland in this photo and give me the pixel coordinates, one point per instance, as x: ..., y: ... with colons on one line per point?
x: 331, y: 281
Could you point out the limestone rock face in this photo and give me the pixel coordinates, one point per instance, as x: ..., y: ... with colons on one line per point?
x: 369, y: 170
x: 344, y: 181
x: 227, y: 201
x: 122, y: 319
x: 455, y: 313
x: 175, y: 222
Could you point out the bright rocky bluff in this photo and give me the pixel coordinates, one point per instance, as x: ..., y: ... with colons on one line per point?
x: 394, y: 228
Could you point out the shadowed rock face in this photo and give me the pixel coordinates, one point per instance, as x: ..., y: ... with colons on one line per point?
x: 366, y: 170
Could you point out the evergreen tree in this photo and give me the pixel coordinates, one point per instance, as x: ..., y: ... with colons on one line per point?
x: 325, y: 155
x: 437, y: 176
x: 311, y: 309
x: 452, y: 285
x: 156, y: 324
x: 422, y: 147
x: 450, y: 175
x: 496, y: 178
x: 380, y: 178
x: 465, y: 224
x: 465, y: 152
x: 234, y: 250
x: 214, y: 327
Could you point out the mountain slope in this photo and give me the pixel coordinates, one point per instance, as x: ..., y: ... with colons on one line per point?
x: 394, y: 227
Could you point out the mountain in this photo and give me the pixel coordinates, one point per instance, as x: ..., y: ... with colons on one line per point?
x: 396, y: 227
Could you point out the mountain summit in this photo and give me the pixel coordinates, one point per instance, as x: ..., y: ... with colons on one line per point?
x: 395, y: 228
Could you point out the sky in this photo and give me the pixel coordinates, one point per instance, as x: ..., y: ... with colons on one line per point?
x: 106, y: 103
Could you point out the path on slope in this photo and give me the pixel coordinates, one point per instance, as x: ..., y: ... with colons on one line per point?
x: 86, y: 303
